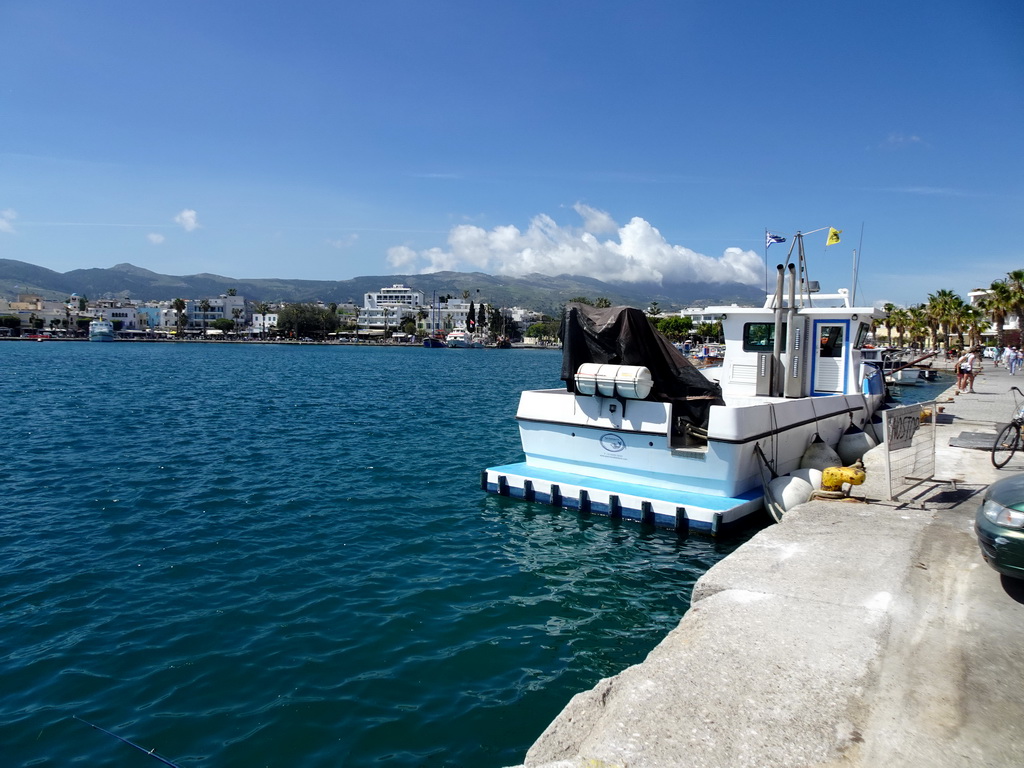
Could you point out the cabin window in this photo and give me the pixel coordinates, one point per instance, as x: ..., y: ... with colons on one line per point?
x: 862, y: 335
x: 760, y: 337
x: 831, y: 341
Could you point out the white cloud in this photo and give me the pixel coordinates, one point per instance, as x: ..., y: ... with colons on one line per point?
x: 636, y: 252
x: 900, y: 140
x: 595, y: 221
x: 401, y: 257
x: 155, y: 238
x: 187, y: 219
x: 6, y: 217
x: 346, y: 242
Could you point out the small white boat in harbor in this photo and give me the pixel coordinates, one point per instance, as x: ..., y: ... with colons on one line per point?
x: 461, y: 339
x: 101, y: 330
x: 640, y: 433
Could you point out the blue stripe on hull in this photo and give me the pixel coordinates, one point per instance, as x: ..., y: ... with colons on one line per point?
x: 693, y: 511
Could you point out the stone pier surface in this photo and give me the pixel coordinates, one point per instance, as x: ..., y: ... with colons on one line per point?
x: 855, y: 633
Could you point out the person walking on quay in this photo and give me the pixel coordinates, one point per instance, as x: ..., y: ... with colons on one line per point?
x: 1016, y: 360
x: 1008, y: 353
x: 966, y: 369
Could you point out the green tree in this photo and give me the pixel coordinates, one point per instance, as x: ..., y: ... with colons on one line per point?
x: 299, y: 320
x: 998, y: 303
x: 223, y: 324
x: 498, y: 323
x: 676, y: 328
x: 1015, y: 282
x: 581, y: 300
x: 471, y: 317
x: 602, y: 302
x: 10, y: 321
x: 710, y: 332
x: 654, y: 310
x: 887, y: 320
x: 178, y: 305
x: 232, y: 291
x: 546, y: 330
x: 205, y: 306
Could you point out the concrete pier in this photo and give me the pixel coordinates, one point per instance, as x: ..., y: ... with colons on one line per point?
x: 855, y: 633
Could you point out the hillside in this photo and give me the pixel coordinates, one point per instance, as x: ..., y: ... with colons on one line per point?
x: 540, y: 292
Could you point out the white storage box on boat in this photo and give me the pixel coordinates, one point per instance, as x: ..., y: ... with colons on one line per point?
x: 630, y: 381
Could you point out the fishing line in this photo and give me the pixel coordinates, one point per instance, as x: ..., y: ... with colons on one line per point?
x: 151, y: 752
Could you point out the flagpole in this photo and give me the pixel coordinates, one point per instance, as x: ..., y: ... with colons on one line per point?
x: 766, y: 262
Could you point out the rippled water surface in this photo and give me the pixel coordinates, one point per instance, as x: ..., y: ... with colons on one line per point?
x: 280, y: 555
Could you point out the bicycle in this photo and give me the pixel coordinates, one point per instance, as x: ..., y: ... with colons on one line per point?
x: 1008, y: 441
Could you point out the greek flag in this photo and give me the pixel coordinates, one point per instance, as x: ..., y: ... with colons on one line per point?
x: 769, y: 238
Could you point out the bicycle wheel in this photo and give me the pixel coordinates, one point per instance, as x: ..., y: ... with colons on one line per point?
x: 1007, y: 442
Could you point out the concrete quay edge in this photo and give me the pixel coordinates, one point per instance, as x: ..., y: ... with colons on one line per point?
x: 855, y: 633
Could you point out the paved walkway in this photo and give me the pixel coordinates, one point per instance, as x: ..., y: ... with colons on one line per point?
x: 852, y: 634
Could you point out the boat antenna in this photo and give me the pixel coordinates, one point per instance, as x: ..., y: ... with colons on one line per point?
x: 151, y: 752
x: 856, y: 266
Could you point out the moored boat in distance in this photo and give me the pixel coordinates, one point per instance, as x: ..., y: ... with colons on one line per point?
x: 101, y: 330
x: 461, y: 339
x: 640, y: 433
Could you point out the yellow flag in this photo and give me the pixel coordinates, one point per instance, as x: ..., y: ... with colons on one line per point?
x: 833, y: 236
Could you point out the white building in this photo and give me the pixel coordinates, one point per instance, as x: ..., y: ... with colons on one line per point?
x: 700, y: 315
x: 123, y: 314
x: 389, y: 306
x: 223, y: 307
x: 263, y: 322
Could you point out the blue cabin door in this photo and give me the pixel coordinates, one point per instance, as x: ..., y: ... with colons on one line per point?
x: 830, y: 358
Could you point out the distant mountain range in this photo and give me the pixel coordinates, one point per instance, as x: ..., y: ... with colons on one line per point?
x: 540, y: 292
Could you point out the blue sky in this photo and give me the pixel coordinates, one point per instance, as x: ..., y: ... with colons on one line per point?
x: 328, y: 140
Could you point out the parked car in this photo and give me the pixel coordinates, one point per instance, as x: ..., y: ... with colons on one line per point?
x: 1000, y: 526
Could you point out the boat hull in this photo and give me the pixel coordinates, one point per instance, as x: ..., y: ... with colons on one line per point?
x: 622, y: 459
x: 101, y: 330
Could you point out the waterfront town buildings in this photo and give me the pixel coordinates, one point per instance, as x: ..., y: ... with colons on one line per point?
x: 381, y: 312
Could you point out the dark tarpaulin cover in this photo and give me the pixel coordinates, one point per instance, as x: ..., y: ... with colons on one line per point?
x: 624, y: 336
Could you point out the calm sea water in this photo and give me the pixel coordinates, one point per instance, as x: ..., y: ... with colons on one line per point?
x: 280, y: 556
x: 925, y: 391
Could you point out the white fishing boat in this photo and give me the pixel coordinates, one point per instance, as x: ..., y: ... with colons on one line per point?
x: 461, y: 339
x: 640, y: 433
x: 101, y: 330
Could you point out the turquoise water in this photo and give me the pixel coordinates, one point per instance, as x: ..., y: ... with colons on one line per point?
x: 274, y: 555
x: 925, y: 391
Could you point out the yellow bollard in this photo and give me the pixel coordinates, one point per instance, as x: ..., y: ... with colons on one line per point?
x: 833, y: 478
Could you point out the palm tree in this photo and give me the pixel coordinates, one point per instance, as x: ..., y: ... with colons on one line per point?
x: 974, y: 319
x: 900, y: 319
x: 997, y: 302
x: 1015, y: 281
x: 205, y: 306
x: 178, y: 305
x: 919, y: 324
x: 942, y: 308
x: 262, y: 308
x: 236, y: 312
x: 887, y: 320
